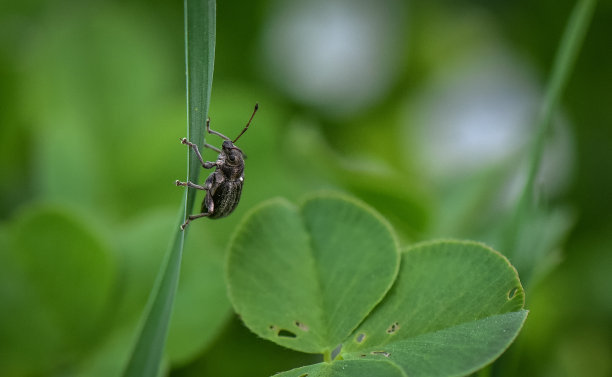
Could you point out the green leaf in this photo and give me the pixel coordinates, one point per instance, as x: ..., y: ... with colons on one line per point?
x: 200, y: 36
x: 56, y: 280
x: 305, y: 277
x: 200, y: 24
x: 455, y: 307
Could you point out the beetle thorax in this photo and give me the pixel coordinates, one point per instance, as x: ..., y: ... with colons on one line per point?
x: 232, y: 161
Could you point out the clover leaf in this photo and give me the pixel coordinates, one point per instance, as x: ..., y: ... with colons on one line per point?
x: 313, y: 277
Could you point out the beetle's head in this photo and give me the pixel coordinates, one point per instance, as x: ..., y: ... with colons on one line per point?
x: 233, y: 154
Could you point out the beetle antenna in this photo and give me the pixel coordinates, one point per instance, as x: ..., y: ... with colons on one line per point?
x: 248, y: 123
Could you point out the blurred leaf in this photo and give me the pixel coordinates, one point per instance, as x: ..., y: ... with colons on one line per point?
x: 102, y: 80
x: 99, y: 80
x: 394, y: 193
x: 471, y: 205
x: 200, y: 20
x: 59, y: 282
x: 15, y: 158
x: 201, y: 305
x: 538, y: 249
x: 140, y: 245
x: 111, y: 355
x: 455, y: 307
x: 304, y: 277
x: 258, y: 357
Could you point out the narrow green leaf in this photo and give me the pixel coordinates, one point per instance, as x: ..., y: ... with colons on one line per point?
x: 305, y: 277
x: 567, y: 54
x: 200, y: 26
x: 200, y: 23
x: 569, y: 48
x: 201, y: 306
x: 147, y: 355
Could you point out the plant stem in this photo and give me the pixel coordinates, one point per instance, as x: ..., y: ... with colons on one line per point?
x: 327, y: 356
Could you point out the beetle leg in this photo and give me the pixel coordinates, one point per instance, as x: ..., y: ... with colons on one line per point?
x: 195, y: 149
x: 212, y: 147
x: 209, y: 164
x: 214, y: 132
x: 206, y: 165
x: 193, y: 217
x: 190, y: 184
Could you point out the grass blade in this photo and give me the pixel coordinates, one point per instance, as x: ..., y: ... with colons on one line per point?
x: 564, y: 61
x: 147, y: 354
x: 200, y: 25
x: 569, y: 48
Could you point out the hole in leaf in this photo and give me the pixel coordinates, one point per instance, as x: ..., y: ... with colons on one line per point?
x: 272, y: 327
x: 301, y: 326
x: 336, y: 351
x: 512, y: 292
x: 383, y: 353
x: 286, y: 334
x: 393, y: 328
x: 360, y: 338
x: 363, y: 355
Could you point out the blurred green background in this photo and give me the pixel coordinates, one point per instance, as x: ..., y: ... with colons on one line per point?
x: 422, y: 109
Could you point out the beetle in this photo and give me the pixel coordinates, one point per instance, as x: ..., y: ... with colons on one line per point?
x: 223, y: 186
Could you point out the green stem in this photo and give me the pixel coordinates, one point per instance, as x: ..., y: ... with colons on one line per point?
x: 564, y: 61
x: 327, y: 356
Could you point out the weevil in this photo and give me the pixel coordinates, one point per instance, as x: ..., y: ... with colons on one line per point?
x: 223, y: 186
